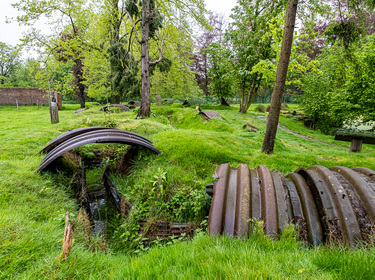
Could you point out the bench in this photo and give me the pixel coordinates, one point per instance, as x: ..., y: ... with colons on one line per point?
x: 356, y: 139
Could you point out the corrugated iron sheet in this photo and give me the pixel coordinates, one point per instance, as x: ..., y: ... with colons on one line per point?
x: 76, y: 138
x: 327, y: 205
x: 211, y: 114
x: 122, y: 107
x: 70, y: 134
x: 79, y: 110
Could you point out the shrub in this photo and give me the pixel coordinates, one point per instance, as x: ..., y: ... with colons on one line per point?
x: 260, y: 108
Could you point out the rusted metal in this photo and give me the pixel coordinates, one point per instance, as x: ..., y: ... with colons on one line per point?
x: 79, y: 110
x: 163, y: 231
x: 327, y: 205
x: 122, y: 107
x: 210, y: 114
x: 250, y: 127
x: 71, y: 133
x: 97, y: 136
x: 133, y: 104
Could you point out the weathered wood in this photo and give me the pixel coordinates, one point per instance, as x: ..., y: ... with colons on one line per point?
x: 68, y: 236
x: 356, y: 145
x: 356, y: 139
x: 366, y: 138
x: 158, y: 100
x: 54, y: 112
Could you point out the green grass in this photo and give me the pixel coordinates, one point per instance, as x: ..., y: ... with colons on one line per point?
x: 32, y: 207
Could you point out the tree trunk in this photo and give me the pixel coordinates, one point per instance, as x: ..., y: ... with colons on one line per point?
x: 223, y: 102
x: 115, y: 39
x: 248, y: 98
x: 115, y: 99
x: 158, y: 100
x: 144, y: 110
x: 282, y: 69
x: 77, y: 69
x: 81, y: 98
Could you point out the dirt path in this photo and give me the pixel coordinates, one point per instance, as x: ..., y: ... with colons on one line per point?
x: 301, y: 135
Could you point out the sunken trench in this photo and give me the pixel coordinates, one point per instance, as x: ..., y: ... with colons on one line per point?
x: 85, y: 169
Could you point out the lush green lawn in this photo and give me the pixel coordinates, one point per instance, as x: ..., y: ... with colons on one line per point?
x: 32, y: 207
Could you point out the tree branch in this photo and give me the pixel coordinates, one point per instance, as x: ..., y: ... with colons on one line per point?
x: 161, y: 54
x: 134, y: 26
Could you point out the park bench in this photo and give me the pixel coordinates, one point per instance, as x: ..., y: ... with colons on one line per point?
x: 356, y: 139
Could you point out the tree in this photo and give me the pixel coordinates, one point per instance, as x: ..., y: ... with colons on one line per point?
x: 9, y: 59
x: 62, y: 14
x: 151, y: 22
x: 343, y: 87
x: 282, y: 68
x: 22, y: 75
x: 220, y: 72
x: 251, y: 40
x: 70, y: 49
x: 173, y: 77
x: 214, y: 34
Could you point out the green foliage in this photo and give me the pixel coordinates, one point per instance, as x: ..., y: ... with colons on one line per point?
x: 124, y: 70
x: 221, y: 70
x: 341, y: 91
x: 9, y: 60
x: 260, y: 108
x: 252, y: 44
x: 178, y: 81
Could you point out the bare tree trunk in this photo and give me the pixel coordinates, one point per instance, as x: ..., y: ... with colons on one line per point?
x: 145, y: 110
x: 282, y: 69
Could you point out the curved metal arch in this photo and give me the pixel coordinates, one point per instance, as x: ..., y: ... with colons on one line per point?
x: 95, y: 134
x: 72, y: 133
x: 101, y: 136
x: 122, y: 107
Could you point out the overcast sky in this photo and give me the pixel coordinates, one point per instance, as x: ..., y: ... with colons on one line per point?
x: 12, y: 32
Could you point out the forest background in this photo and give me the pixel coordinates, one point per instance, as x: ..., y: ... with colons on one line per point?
x: 94, y: 51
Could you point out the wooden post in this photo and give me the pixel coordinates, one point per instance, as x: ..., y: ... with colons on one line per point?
x: 37, y: 104
x: 158, y: 100
x: 356, y: 145
x: 17, y: 105
x: 68, y: 236
x: 54, y: 112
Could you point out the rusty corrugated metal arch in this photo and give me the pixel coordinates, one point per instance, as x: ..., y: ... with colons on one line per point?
x: 210, y: 114
x: 335, y: 204
x: 71, y: 133
x: 121, y: 106
x: 77, y: 138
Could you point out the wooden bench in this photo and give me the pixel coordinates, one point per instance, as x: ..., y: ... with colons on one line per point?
x: 356, y: 139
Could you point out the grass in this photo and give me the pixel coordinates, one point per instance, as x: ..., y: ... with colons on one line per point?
x: 32, y: 207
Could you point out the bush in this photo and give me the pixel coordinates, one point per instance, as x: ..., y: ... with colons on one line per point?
x: 284, y: 106
x: 260, y: 108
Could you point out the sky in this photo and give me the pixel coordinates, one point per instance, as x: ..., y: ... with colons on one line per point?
x: 11, y: 33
